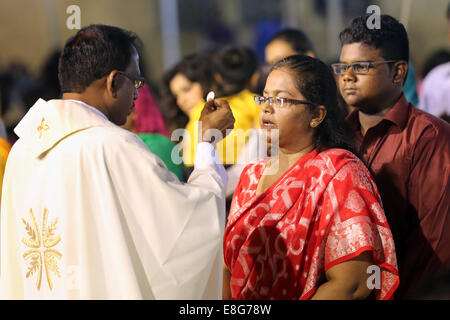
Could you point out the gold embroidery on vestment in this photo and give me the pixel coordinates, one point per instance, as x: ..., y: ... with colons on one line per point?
x: 42, y: 252
x: 42, y: 126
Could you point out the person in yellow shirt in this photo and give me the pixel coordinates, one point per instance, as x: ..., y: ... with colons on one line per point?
x: 227, y: 72
x: 4, y: 151
x: 184, y: 88
x: 232, y: 67
x: 189, y: 81
x: 245, y: 112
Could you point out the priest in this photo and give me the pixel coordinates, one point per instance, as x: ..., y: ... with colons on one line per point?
x: 87, y: 211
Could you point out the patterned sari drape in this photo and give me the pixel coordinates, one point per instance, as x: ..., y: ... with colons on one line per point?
x: 323, y: 211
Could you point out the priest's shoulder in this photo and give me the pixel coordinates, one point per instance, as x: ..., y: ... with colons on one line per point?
x: 116, y: 145
x: 112, y: 137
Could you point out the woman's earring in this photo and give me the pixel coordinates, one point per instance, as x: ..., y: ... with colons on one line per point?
x: 313, y: 124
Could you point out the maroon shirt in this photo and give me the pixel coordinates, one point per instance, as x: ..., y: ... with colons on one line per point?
x: 408, y: 153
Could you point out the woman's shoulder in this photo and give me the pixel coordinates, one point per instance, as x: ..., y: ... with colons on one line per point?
x: 338, y: 153
x: 348, y: 165
x: 342, y: 159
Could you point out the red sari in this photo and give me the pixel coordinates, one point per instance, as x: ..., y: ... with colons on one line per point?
x: 324, y: 210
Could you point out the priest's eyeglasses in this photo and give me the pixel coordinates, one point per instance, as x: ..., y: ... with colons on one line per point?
x: 358, y: 67
x: 138, y: 81
x: 279, y: 101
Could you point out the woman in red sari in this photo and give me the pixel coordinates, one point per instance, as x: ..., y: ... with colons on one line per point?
x: 309, y: 222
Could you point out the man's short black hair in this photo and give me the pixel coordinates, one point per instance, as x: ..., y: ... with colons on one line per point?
x: 391, y: 38
x: 92, y: 53
x: 297, y: 39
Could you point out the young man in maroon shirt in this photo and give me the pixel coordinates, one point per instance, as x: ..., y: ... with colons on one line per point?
x: 406, y: 149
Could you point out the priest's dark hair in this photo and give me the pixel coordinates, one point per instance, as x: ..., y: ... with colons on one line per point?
x: 92, y: 53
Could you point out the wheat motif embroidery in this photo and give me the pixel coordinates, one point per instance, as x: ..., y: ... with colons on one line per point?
x: 41, y: 252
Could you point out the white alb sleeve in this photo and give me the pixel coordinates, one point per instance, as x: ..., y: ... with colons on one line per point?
x: 206, y: 156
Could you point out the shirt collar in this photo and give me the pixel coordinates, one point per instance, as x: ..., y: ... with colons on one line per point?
x: 89, y: 107
x: 397, y: 115
x: 353, y: 120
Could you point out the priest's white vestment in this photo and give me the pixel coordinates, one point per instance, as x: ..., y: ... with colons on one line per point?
x: 88, y: 212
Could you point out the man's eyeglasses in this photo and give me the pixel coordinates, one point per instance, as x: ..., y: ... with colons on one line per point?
x: 279, y: 101
x: 138, y: 81
x: 358, y: 67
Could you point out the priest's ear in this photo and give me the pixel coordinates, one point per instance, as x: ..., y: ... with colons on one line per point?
x: 113, y: 83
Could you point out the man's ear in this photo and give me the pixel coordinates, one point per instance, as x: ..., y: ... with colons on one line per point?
x: 112, y: 85
x: 400, y: 71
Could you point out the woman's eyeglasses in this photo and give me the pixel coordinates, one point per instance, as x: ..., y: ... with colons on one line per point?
x: 279, y: 101
x: 358, y: 67
x: 138, y: 81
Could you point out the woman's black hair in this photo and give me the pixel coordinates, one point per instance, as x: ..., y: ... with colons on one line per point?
x: 196, y: 68
x: 316, y: 83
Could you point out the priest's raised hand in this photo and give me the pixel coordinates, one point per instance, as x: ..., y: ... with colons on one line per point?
x: 216, y: 115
